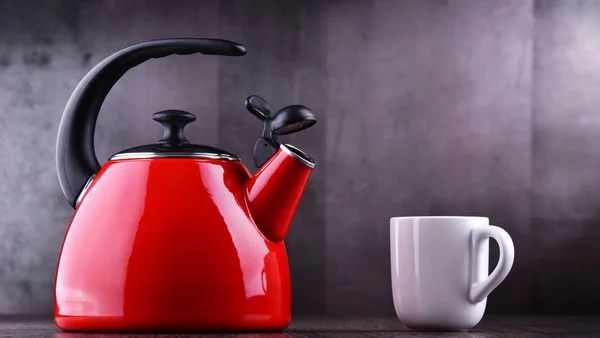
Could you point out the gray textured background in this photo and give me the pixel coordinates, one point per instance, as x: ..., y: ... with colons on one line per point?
x: 471, y: 107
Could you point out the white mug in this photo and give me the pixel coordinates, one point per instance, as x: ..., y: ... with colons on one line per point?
x: 440, y: 276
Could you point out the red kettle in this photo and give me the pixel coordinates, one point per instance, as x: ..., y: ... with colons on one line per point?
x: 175, y: 236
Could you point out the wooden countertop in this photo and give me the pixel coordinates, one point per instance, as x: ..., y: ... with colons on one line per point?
x: 491, y: 326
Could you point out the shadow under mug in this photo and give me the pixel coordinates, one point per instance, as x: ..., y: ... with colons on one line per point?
x: 439, y: 267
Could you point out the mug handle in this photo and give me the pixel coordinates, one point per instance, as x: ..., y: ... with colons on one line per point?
x: 479, y: 290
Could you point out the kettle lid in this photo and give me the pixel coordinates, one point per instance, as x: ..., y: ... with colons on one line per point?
x: 173, y: 143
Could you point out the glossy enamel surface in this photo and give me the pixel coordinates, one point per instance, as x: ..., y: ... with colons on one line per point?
x: 170, y: 245
x: 275, y: 191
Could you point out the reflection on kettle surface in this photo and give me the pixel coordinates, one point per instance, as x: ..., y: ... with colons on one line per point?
x: 78, y: 300
x: 242, y: 237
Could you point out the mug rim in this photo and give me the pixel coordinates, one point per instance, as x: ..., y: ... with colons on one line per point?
x: 439, y: 217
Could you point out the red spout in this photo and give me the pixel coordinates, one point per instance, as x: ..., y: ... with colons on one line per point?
x: 276, y: 189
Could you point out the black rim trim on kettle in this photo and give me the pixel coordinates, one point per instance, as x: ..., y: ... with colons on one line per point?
x: 76, y: 159
x: 135, y: 156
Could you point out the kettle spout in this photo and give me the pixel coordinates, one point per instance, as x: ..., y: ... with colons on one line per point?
x: 274, y: 192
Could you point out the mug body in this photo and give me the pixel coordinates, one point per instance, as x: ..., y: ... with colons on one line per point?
x: 431, y: 263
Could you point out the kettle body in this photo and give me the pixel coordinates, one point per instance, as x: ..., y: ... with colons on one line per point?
x: 174, y: 236
x: 156, y: 246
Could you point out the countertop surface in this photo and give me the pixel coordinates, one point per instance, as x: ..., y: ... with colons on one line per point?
x: 490, y: 326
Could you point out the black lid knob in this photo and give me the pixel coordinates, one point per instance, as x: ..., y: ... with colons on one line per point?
x: 173, y: 122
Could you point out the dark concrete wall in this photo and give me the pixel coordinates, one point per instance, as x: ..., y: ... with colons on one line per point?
x: 471, y: 107
x: 566, y: 157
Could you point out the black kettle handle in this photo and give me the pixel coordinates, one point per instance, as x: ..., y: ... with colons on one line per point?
x: 76, y: 160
